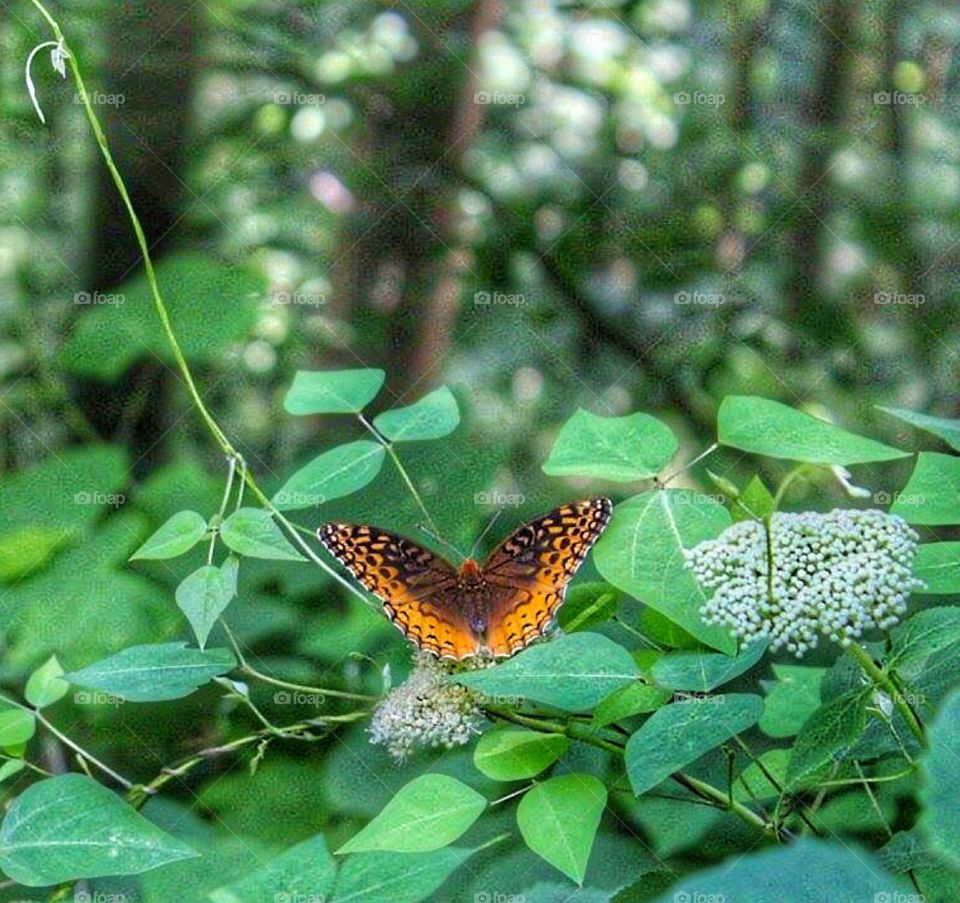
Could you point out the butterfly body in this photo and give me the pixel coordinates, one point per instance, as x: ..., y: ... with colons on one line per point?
x: 496, y: 608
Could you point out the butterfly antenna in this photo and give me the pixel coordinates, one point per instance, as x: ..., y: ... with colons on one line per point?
x: 486, y: 530
x: 436, y: 537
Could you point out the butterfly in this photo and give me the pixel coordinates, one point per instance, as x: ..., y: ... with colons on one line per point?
x: 495, y: 609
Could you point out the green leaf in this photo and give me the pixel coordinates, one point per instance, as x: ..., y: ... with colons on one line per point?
x: 17, y: 726
x: 109, y: 337
x: 573, y: 672
x: 303, y: 872
x: 430, y: 812
x: 755, y: 502
x: 204, y: 595
x: 920, y: 637
x: 826, y: 737
x: 767, y: 427
x: 633, y: 699
x: 946, y: 429
x: 800, y: 872
x: 938, y: 566
x: 622, y: 449
x: 680, y: 733
x: 559, y: 819
x: 397, y: 877
x: 794, y: 698
x: 588, y: 605
x: 59, y: 500
x: 512, y: 755
x: 45, y: 686
x: 434, y: 416
x: 333, y: 391
x: 753, y: 784
x: 154, y: 672
x: 641, y: 552
x: 71, y: 827
x: 702, y: 671
x: 332, y: 475
x: 932, y: 494
x: 940, y: 789
x: 11, y: 767
x: 178, y: 535
x: 253, y: 532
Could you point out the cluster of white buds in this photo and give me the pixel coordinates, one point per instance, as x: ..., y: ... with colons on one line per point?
x: 425, y: 712
x: 835, y: 574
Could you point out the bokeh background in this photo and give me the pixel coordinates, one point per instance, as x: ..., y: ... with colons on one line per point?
x: 618, y: 206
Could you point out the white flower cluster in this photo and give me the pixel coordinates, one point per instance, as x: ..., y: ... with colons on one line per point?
x: 835, y: 574
x: 425, y: 712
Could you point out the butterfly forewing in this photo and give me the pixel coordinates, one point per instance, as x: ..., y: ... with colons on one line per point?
x: 418, y: 588
x: 531, y: 568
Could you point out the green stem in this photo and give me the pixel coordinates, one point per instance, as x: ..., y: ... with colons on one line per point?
x: 389, y: 449
x: 881, y: 679
x: 162, y: 312
x: 697, y: 787
x: 66, y: 741
x: 250, y: 671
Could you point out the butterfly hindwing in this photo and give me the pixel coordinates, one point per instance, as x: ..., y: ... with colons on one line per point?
x: 531, y: 568
x: 418, y: 588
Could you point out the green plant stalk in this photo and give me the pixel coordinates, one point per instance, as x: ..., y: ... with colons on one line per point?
x: 138, y: 794
x: 161, y: 308
x: 881, y: 679
x: 389, y: 449
x: 63, y: 738
x: 250, y: 671
x: 697, y: 787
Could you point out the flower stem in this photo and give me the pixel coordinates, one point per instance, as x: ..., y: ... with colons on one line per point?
x: 697, y: 787
x: 881, y: 679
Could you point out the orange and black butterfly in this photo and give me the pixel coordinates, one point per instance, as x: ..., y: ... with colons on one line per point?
x: 495, y: 609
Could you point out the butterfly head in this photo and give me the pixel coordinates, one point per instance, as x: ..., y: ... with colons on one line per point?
x: 470, y: 571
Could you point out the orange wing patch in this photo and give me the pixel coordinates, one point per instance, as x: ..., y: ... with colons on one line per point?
x: 415, y: 586
x: 531, y: 569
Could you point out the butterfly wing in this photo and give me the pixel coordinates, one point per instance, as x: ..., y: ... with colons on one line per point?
x: 419, y: 590
x: 530, y: 570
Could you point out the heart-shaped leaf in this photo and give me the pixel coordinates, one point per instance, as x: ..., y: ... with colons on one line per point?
x: 253, y: 532
x: 573, y: 672
x: 767, y: 427
x: 430, y: 812
x: 178, y: 535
